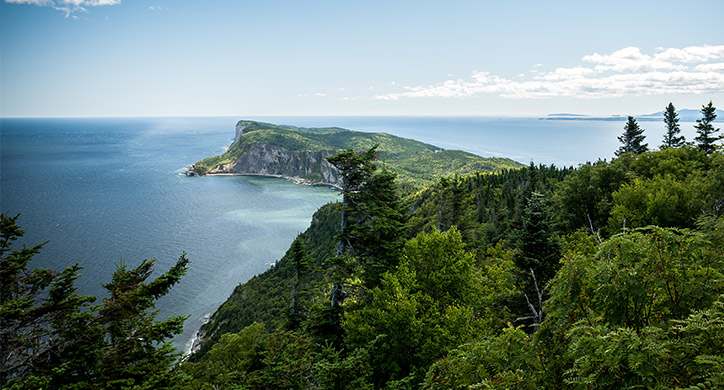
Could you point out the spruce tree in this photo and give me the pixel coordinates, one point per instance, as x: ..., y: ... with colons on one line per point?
x: 707, y: 138
x: 632, y: 139
x: 672, y: 139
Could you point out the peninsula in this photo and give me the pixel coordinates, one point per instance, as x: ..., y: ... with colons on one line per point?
x: 299, y: 154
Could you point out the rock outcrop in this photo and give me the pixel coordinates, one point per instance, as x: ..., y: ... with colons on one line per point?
x: 269, y: 160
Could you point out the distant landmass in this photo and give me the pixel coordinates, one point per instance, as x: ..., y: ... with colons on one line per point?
x: 299, y: 154
x: 567, y: 115
x: 685, y: 115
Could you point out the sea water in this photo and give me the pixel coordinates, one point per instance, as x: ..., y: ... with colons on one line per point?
x: 106, y: 191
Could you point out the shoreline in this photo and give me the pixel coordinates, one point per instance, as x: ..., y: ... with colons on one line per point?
x: 194, y: 344
x: 295, y: 179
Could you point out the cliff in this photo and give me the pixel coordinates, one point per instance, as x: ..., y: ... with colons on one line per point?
x: 268, y: 160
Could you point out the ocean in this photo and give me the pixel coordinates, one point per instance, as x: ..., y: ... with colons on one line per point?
x: 103, y: 191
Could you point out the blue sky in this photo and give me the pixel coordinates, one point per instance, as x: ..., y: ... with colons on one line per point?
x: 252, y: 58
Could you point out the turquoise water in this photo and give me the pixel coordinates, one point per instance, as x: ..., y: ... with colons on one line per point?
x: 102, y: 190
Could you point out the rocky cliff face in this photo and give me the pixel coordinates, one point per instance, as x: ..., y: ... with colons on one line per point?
x: 269, y: 160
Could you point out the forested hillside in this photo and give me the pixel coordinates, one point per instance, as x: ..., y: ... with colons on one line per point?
x: 610, y: 275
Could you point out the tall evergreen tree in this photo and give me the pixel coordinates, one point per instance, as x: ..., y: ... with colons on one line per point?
x: 672, y: 139
x: 373, y: 220
x: 302, y: 268
x: 539, y: 249
x: 632, y: 138
x: 707, y: 133
x: 379, y: 228
x: 355, y: 169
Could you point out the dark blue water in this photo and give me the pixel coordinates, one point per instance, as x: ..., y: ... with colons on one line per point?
x: 106, y: 190
x: 103, y: 190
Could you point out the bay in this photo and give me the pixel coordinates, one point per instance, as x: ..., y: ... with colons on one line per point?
x: 106, y: 190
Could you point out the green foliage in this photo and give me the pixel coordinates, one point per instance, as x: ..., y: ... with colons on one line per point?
x: 300, y: 293
x: 639, y: 279
x: 507, y: 361
x: 690, y: 354
x: 420, y: 311
x: 632, y: 138
x: 663, y: 201
x: 643, y: 187
x: 255, y: 359
x: 611, y: 310
x: 707, y: 138
x: 637, y: 309
x: 584, y: 199
x: 485, y: 207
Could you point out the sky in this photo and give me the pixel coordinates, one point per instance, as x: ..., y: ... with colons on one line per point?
x: 76, y: 58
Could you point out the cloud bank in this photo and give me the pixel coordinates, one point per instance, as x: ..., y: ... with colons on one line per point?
x: 69, y: 7
x: 625, y: 72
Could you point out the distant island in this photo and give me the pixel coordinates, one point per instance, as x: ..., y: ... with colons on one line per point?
x: 685, y: 115
x: 299, y: 154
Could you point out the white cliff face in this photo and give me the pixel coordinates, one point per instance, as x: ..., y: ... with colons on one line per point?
x: 240, y: 127
x: 269, y: 160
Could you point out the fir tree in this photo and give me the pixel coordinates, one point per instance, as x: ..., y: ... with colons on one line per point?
x: 707, y: 138
x: 672, y: 139
x: 632, y: 139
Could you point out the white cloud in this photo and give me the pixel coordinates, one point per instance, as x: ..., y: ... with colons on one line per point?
x: 625, y: 72
x: 69, y: 7
x: 716, y: 67
x: 566, y: 73
x: 629, y: 59
x: 692, y: 54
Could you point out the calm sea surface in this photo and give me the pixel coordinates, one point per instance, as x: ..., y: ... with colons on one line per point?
x: 108, y: 190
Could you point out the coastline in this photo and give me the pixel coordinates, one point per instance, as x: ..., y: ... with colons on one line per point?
x: 295, y: 179
x: 194, y: 344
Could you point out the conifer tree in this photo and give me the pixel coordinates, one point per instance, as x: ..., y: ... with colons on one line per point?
x: 539, y: 250
x: 51, y: 338
x: 706, y: 139
x: 31, y: 299
x: 672, y: 139
x: 302, y: 268
x: 632, y: 138
x: 355, y: 169
x: 373, y: 220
